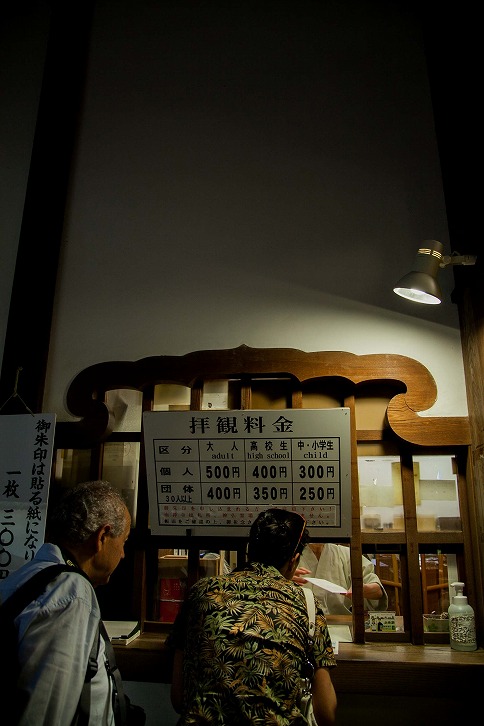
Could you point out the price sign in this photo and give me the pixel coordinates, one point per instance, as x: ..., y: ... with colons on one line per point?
x: 212, y: 472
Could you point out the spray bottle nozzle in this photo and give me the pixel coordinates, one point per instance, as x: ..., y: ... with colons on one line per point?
x: 459, y: 589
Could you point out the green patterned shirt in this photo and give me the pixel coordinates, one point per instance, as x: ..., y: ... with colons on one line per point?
x: 245, y: 641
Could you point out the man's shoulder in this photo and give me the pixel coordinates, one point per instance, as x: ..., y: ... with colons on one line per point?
x: 49, y: 585
x: 340, y: 550
x: 19, y: 577
x: 46, y: 555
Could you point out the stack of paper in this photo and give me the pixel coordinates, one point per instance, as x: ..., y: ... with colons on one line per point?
x: 122, y: 632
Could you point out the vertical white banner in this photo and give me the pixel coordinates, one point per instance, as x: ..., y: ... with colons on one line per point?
x: 26, y: 448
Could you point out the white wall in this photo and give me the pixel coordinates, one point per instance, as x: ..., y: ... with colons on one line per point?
x: 257, y: 174
x: 257, y: 313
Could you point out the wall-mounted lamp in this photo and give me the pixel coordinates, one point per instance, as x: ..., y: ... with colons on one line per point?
x: 420, y: 285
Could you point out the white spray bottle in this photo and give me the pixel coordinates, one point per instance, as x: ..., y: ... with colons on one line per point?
x: 462, y: 625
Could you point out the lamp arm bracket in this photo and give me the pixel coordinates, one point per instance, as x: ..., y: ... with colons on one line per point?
x: 457, y: 259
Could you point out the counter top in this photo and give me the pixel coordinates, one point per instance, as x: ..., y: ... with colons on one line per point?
x: 379, y: 668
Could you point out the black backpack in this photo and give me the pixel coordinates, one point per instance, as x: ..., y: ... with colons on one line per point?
x: 124, y: 711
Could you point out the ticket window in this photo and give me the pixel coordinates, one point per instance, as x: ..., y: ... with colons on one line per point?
x: 384, y: 479
x: 436, y: 493
x: 380, y: 491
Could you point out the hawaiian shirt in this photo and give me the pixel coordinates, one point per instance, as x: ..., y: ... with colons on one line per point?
x: 246, y: 647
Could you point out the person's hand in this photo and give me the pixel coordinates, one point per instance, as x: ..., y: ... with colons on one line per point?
x: 371, y: 591
x: 298, y: 576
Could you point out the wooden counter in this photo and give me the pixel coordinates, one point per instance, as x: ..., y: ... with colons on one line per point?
x: 405, y: 669
x: 381, y: 669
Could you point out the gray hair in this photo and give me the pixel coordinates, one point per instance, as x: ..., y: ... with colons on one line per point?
x: 85, y: 508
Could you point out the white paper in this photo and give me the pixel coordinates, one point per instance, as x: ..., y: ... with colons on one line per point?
x: 340, y: 634
x: 326, y: 585
x: 121, y: 628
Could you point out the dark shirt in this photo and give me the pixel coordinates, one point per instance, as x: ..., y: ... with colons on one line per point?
x: 246, y: 643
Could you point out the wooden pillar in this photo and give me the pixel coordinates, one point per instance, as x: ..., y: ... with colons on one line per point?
x: 470, y: 298
x: 31, y: 305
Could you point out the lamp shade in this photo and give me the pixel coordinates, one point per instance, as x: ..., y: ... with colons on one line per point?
x: 420, y: 285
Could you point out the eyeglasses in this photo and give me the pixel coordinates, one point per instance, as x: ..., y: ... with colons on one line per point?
x: 304, y: 524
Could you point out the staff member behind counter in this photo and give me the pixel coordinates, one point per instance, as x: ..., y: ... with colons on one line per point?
x: 332, y: 562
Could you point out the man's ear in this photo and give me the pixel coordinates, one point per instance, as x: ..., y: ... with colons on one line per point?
x: 294, y: 562
x: 290, y: 567
x: 101, y: 535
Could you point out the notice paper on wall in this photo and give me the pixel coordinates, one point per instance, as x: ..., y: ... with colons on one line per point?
x: 26, y: 446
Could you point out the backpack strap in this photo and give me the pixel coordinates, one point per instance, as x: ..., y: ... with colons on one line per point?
x: 311, y: 607
x: 30, y: 590
x: 120, y: 700
x: 84, y: 706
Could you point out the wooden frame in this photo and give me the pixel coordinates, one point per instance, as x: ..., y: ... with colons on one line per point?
x: 85, y: 396
x: 410, y: 390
